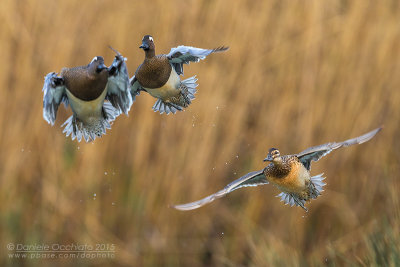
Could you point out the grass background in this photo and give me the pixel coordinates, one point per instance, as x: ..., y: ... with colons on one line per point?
x: 298, y: 74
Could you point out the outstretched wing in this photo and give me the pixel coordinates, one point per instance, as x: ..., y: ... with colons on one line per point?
x: 317, y: 152
x: 185, y: 54
x: 135, y: 87
x: 53, y: 94
x: 250, y: 179
x: 118, y: 89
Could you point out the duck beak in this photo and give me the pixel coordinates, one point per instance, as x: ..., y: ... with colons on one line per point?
x: 268, y: 158
x: 101, y: 67
x: 144, y: 46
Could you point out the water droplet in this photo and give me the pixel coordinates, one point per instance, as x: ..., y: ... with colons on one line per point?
x: 237, y: 156
x: 217, y: 107
x: 94, y: 194
x: 105, y: 173
x: 222, y: 233
x: 113, y: 203
x: 234, y: 173
x: 193, y: 124
x: 78, y: 147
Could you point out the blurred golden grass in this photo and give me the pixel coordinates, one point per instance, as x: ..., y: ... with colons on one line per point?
x: 298, y: 73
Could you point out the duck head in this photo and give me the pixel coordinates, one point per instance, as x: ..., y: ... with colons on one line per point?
x: 273, y: 156
x: 147, y: 43
x: 97, y: 65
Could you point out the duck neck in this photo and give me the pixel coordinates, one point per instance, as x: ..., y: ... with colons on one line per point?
x: 150, y: 53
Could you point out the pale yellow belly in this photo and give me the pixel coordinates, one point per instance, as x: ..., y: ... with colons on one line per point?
x: 87, y: 111
x: 296, y: 181
x: 169, y: 89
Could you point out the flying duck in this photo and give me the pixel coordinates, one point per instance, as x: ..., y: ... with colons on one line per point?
x: 159, y: 75
x: 85, y: 88
x: 289, y: 173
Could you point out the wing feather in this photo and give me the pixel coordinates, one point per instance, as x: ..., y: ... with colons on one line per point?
x: 250, y: 179
x: 53, y: 94
x: 118, y: 88
x: 317, y: 152
x: 185, y: 54
x: 135, y: 87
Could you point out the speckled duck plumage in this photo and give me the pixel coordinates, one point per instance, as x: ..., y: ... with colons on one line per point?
x: 289, y: 173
